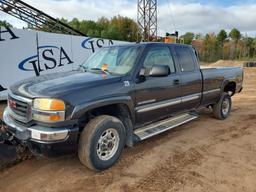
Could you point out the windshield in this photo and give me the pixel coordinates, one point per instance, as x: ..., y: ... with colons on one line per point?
x: 113, y: 60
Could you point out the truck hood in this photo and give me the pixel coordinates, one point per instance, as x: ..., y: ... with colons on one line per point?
x: 58, y: 84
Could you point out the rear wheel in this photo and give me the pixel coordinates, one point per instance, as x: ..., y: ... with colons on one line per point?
x: 101, y: 142
x: 221, y: 110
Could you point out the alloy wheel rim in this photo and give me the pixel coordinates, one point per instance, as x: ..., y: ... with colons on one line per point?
x: 108, y: 144
x: 225, y: 106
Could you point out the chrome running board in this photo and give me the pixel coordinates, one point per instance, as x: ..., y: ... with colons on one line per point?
x: 162, y: 126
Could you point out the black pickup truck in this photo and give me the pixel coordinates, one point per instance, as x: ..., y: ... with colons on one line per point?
x: 121, y: 95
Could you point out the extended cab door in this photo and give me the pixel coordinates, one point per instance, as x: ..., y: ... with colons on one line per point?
x: 157, y: 96
x: 191, y: 78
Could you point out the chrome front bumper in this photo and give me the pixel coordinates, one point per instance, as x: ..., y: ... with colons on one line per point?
x: 36, y: 133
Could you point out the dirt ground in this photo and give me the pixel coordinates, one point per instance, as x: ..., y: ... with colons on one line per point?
x: 203, y: 155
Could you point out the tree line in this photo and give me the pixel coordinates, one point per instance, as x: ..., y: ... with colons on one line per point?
x: 228, y: 46
x: 117, y: 28
x: 211, y: 47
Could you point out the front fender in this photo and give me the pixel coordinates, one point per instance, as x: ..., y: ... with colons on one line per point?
x: 85, y: 107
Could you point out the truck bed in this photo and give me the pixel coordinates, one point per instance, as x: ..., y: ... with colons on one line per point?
x: 215, y: 77
x: 229, y: 73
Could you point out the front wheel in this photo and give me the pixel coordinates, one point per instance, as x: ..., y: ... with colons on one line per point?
x: 221, y: 110
x: 101, y: 142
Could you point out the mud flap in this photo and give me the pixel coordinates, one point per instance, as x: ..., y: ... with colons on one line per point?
x: 11, y: 151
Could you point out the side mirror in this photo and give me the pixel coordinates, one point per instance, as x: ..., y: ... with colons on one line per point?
x: 142, y: 74
x: 159, y: 71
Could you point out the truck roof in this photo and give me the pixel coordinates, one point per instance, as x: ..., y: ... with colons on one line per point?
x: 150, y: 43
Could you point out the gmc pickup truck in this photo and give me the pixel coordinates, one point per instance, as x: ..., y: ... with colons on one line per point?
x: 121, y: 95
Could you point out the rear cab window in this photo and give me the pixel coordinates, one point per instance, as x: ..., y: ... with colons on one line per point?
x: 186, y: 60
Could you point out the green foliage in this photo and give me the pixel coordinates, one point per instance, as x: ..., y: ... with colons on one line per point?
x: 235, y: 34
x: 211, y: 47
x: 5, y: 23
x: 222, y: 36
x: 117, y: 28
x: 198, y: 36
x: 188, y: 37
x: 114, y: 33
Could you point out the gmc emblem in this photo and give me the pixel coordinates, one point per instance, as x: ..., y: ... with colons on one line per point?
x: 12, y: 103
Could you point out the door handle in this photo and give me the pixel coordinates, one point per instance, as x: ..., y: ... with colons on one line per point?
x: 176, y: 81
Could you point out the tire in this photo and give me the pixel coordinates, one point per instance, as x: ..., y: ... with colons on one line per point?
x: 101, y: 142
x: 221, y: 110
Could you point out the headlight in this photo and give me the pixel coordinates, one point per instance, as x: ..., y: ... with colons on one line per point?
x: 48, y: 110
x: 49, y: 104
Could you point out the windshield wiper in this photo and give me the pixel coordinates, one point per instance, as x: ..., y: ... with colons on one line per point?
x: 83, y: 67
x: 99, y: 69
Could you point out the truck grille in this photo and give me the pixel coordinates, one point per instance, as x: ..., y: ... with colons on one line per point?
x: 19, y: 108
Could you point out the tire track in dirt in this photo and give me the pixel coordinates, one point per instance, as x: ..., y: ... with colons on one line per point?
x: 171, y: 171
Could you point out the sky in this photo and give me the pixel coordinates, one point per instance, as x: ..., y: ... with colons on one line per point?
x: 181, y: 15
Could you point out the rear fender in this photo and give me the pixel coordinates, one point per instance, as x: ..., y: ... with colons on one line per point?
x: 224, y: 83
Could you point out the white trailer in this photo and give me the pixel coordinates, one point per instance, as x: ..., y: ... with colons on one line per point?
x: 28, y: 53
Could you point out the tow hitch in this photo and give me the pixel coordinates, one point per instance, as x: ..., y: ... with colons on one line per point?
x: 11, y: 151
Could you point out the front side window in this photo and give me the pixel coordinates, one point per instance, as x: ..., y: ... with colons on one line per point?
x: 159, y: 56
x: 115, y: 60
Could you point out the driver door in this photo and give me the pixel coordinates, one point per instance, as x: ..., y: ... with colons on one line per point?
x: 157, y: 97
